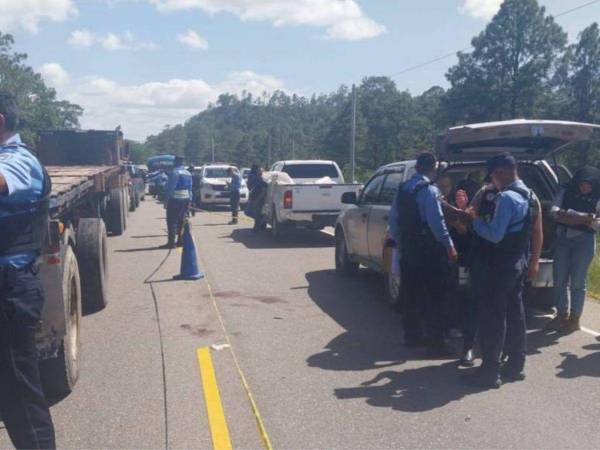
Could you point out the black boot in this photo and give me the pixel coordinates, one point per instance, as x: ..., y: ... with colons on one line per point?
x: 468, y: 358
x: 483, y: 378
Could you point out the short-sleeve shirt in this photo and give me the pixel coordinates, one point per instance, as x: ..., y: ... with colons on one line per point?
x: 25, y: 180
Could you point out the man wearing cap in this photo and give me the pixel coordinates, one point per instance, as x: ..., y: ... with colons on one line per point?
x: 503, y: 269
x: 178, y: 196
x: 417, y: 224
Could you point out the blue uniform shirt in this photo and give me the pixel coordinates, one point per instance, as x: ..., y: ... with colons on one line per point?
x: 174, y: 184
x: 236, y: 182
x: 511, y: 210
x: 25, y: 180
x: 430, y: 209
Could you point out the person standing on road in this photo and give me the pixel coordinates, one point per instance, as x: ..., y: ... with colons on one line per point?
x: 259, y: 195
x: 24, y: 191
x: 502, y: 269
x: 417, y: 223
x: 575, y: 211
x: 235, y: 184
x: 178, y: 195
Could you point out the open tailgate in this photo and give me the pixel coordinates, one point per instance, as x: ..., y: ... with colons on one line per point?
x: 527, y: 140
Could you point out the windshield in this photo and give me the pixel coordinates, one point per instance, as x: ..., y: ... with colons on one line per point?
x: 216, y: 172
x: 311, y: 170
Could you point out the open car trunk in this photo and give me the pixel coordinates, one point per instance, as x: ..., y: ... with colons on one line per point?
x: 526, y: 140
x: 536, y: 176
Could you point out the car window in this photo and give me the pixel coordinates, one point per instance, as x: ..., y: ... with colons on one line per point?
x: 371, y: 191
x: 216, y: 172
x: 390, y: 186
x: 310, y: 170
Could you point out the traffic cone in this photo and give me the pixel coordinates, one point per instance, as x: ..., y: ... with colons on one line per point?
x: 189, y: 258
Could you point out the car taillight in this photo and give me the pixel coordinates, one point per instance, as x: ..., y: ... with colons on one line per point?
x: 288, y: 200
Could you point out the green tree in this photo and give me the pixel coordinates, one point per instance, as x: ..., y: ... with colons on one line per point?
x: 40, y: 109
x: 509, y: 69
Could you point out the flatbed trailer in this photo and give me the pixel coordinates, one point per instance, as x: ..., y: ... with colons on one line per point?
x: 87, y: 203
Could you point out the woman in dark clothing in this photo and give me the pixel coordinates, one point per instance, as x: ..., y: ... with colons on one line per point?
x: 258, y: 192
x: 575, y: 212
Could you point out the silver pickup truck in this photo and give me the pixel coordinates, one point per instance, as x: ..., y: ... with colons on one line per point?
x: 361, y: 228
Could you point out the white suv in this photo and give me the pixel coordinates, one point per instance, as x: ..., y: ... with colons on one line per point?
x: 214, y: 185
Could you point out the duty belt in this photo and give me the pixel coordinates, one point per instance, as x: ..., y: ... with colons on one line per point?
x: 181, y: 194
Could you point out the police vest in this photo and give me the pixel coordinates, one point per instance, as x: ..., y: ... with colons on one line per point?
x: 579, y: 202
x: 24, y: 227
x: 184, y: 184
x: 515, y: 246
x: 418, y: 244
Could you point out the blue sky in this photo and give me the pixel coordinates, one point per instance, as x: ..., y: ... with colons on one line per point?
x: 147, y: 63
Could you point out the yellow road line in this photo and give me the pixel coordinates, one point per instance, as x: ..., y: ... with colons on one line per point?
x: 259, y: 422
x: 214, y: 407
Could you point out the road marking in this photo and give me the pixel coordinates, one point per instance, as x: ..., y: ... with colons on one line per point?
x: 214, y: 407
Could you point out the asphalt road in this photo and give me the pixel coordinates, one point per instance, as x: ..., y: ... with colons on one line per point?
x: 321, y: 355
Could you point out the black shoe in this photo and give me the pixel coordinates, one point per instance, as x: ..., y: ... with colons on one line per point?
x: 167, y: 247
x: 511, y: 375
x: 468, y: 359
x: 482, y: 379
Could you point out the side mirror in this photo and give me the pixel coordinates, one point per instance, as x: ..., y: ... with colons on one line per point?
x: 349, y: 198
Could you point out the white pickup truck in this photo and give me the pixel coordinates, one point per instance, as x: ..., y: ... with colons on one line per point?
x: 305, y: 194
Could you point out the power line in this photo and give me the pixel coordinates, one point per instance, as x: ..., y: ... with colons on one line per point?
x: 448, y: 55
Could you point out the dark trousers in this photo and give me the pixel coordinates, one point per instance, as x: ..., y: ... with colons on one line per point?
x: 23, y: 406
x: 425, y: 310
x: 502, y: 317
x: 234, y: 202
x: 176, y: 211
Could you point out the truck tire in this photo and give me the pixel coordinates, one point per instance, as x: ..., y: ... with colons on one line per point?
x: 92, y: 256
x: 126, y: 204
x: 343, y: 265
x: 59, y: 375
x: 115, y: 212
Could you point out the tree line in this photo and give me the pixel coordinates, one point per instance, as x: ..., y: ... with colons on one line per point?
x: 520, y: 65
x: 39, y: 105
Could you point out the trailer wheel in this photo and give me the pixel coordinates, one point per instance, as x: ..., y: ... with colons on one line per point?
x: 126, y: 205
x: 60, y: 374
x: 92, y: 255
x: 115, y: 212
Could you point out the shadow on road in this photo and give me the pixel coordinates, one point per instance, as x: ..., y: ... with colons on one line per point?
x: 296, y: 239
x: 574, y: 366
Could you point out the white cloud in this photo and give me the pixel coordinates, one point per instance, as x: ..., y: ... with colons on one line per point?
x: 111, y: 41
x: 481, y: 9
x: 343, y: 19
x: 144, y: 109
x: 81, y: 38
x: 193, y: 39
x: 27, y: 14
x: 54, y: 75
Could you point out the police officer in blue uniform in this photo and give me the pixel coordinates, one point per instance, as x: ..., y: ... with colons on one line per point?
x: 502, y: 263
x: 417, y: 223
x: 24, y: 190
x: 178, y: 196
x: 234, y: 191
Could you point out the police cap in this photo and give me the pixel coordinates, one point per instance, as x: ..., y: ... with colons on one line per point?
x: 503, y: 161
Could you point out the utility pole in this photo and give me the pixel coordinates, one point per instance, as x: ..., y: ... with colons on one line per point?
x: 353, y: 137
x: 212, y: 146
x: 269, y: 150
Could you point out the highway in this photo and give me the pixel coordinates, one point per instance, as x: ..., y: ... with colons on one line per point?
x: 302, y: 358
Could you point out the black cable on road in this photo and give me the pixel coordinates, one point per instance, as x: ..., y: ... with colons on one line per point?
x: 149, y: 281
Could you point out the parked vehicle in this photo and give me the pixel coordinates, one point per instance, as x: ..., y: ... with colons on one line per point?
x: 214, y: 185
x: 88, y: 198
x: 305, y: 194
x: 245, y: 172
x: 361, y: 229
x: 137, y: 186
x: 157, y: 165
